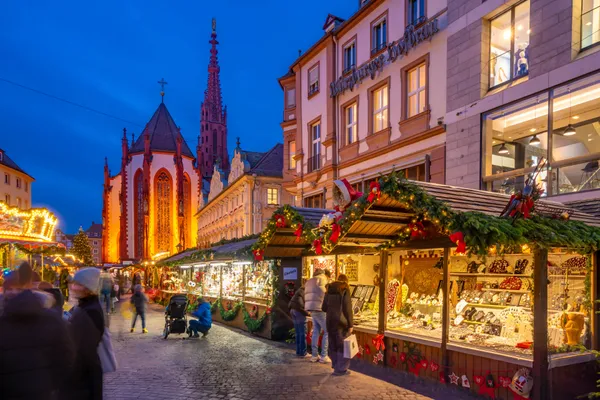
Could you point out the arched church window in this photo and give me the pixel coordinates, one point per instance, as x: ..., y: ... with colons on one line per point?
x: 138, y: 201
x: 187, y: 191
x: 164, y: 194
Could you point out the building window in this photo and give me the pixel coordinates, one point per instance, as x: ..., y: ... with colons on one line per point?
x: 417, y: 84
x: 292, y: 154
x: 590, y: 23
x: 416, y: 12
x: 315, y: 201
x: 416, y: 173
x: 272, y: 196
x: 315, y: 135
x: 379, y: 35
x: 350, y: 122
x: 95, y: 251
x: 7, y: 179
x: 349, y: 56
x: 313, y: 80
x: 380, y: 108
x: 18, y: 182
x: 164, y: 197
x: 7, y: 199
x: 95, y: 243
x: 290, y: 98
x: 18, y: 202
x: 27, y: 186
x: 509, y: 45
x: 516, y: 138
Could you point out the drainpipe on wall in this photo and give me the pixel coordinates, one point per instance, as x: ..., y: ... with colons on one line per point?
x: 252, y: 222
x: 335, y: 110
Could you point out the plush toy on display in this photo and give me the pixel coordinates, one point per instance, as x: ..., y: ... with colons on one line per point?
x: 522, y: 383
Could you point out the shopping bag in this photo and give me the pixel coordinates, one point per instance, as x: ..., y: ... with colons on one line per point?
x: 106, y: 353
x: 350, y: 346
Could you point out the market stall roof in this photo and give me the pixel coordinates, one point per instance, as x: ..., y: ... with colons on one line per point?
x: 589, y: 206
x: 236, y: 249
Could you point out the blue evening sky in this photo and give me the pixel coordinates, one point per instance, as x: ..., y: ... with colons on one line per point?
x: 108, y: 55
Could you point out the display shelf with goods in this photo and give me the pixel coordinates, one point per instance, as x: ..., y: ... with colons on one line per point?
x: 414, y: 295
x: 211, y: 283
x: 258, y: 285
x: 232, y: 276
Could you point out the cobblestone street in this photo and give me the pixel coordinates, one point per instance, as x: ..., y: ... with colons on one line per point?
x: 229, y: 364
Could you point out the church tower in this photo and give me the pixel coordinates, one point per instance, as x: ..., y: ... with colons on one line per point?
x: 213, y: 118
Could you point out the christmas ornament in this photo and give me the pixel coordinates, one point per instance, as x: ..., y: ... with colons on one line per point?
x: 403, y: 357
x: 361, y: 350
x: 523, y: 202
x: 417, y: 230
x: 478, y: 379
x: 374, y: 191
x: 367, y: 350
x: 378, y: 357
x: 522, y: 383
x: 458, y: 238
x: 318, y: 247
x: 258, y: 254
x: 298, y: 233
x: 504, y: 381
x: 434, y: 366
x: 279, y: 220
x: 424, y: 363
x: 442, y: 377
x: 453, y: 379
x: 489, y: 387
x: 465, y: 381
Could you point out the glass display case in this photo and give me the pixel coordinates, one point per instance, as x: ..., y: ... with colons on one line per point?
x: 414, y: 293
x: 363, y: 276
x: 212, y: 280
x: 233, y: 281
x: 259, y: 278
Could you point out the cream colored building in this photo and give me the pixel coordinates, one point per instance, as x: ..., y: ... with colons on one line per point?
x: 239, y: 204
x: 367, y: 98
x: 15, y: 186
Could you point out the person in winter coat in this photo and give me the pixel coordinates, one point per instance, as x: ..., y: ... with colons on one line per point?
x: 136, y: 280
x: 106, y: 287
x: 299, y: 315
x: 139, y: 301
x: 36, y: 350
x: 338, y: 306
x: 204, y: 321
x: 314, y: 293
x: 87, y: 328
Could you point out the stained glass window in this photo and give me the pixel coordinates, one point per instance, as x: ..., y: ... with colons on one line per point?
x: 163, y: 212
x: 138, y: 184
x: 186, y: 240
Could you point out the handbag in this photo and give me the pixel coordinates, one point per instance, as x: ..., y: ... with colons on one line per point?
x: 350, y: 346
x: 106, y: 353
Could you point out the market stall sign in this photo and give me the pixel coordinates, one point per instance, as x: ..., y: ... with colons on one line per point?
x: 36, y: 223
x: 395, y: 50
x: 290, y: 273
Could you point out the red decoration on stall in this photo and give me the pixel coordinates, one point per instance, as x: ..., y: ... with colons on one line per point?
x: 424, y: 363
x: 459, y: 239
x: 453, y: 378
x: 522, y: 204
x: 478, y: 379
x: 335, y: 233
x: 504, y: 381
x: 317, y: 246
x: 488, y: 388
x: 442, y: 377
x: 417, y: 230
x: 434, y: 366
x: 268, y: 311
x: 279, y: 220
x: 367, y: 350
x: 374, y: 191
x: 416, y: 365
x: 258, y: 254
x: 378, y: 342
x: 393, y: 361
x: 298, y: 232
x: 403, y: 357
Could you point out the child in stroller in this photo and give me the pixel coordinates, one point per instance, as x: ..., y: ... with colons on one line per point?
x: 175, y: 315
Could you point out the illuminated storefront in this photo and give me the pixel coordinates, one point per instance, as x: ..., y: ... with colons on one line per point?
x: 561, y: 125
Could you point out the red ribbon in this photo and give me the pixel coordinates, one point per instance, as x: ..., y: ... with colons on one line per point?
x: 279, y: 220
x: 335, y: 233
x: 317, y: 246
x: 258, y: 254
x: 458, y: 238
x: 374, y: 191
x: 378, y: 342
x: 298, y: 232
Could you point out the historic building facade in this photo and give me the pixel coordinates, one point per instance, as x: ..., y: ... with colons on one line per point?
x: 148, y: 206
x: 15, y: 184
x: 239, y: 203
x: 366, y: 99
x: 94, y: 234
x: 523, y: 84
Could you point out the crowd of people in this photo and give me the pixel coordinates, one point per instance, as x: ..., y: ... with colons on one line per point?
x: 45, y: 353
x: 330, y: 307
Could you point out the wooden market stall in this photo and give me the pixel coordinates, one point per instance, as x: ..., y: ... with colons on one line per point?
x: 519, y: 296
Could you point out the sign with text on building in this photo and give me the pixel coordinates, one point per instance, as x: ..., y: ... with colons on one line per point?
x: 290, y: 274
x: 395, y: 50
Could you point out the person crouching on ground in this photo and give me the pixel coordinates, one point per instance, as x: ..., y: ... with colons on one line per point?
x: 299, y: 315
x: 338, y: 306
x: 204, y: 321
x: 139, y: 301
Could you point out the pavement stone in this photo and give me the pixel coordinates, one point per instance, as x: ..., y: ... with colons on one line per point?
x: 233, y: 365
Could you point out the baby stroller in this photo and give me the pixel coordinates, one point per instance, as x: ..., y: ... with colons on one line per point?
x: 175, y: 315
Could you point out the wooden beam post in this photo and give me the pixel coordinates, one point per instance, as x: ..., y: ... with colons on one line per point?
x: 445, y: 306
x: 383, y: 262
x: 540, y: 325
x: 594, y: 293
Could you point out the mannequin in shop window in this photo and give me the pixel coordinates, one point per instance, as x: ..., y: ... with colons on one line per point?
x: 522, y: 62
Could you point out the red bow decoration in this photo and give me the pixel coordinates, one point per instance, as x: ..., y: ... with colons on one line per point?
x: 374, y: 191
x: 298, y: 232
x: 258, y: 254
x: 335, y: 233
x: 403, y: 357
x: 459, y: 239
x: 318, y: 248
x: 367, y: 350
x: 434, y: 366
x: 279, y: 220
x: 478, y: 379
x: 417, y: 229
x: 378, y: 342
x: 393, y: 361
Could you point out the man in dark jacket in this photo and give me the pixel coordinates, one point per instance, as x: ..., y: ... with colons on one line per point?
x: 338, y: 306
x: 139, y: 301
x: 36, y: 350
x: 299, y: 315
x: 87, y: 327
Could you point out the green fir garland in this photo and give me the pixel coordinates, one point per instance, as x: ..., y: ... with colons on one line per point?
x: 253, y: 324
x: 229, y: 315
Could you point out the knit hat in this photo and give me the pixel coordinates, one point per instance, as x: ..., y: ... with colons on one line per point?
x: 88, y: 278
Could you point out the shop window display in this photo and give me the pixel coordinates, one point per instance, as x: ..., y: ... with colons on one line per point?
x: 259, y: 277
x: 233, y: 281
x: 364, y: 278
x: 414, y: 293
x: 212, y: 281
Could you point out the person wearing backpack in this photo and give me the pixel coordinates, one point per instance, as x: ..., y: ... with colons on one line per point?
x: 299, y: 315
x: 106, y: 288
